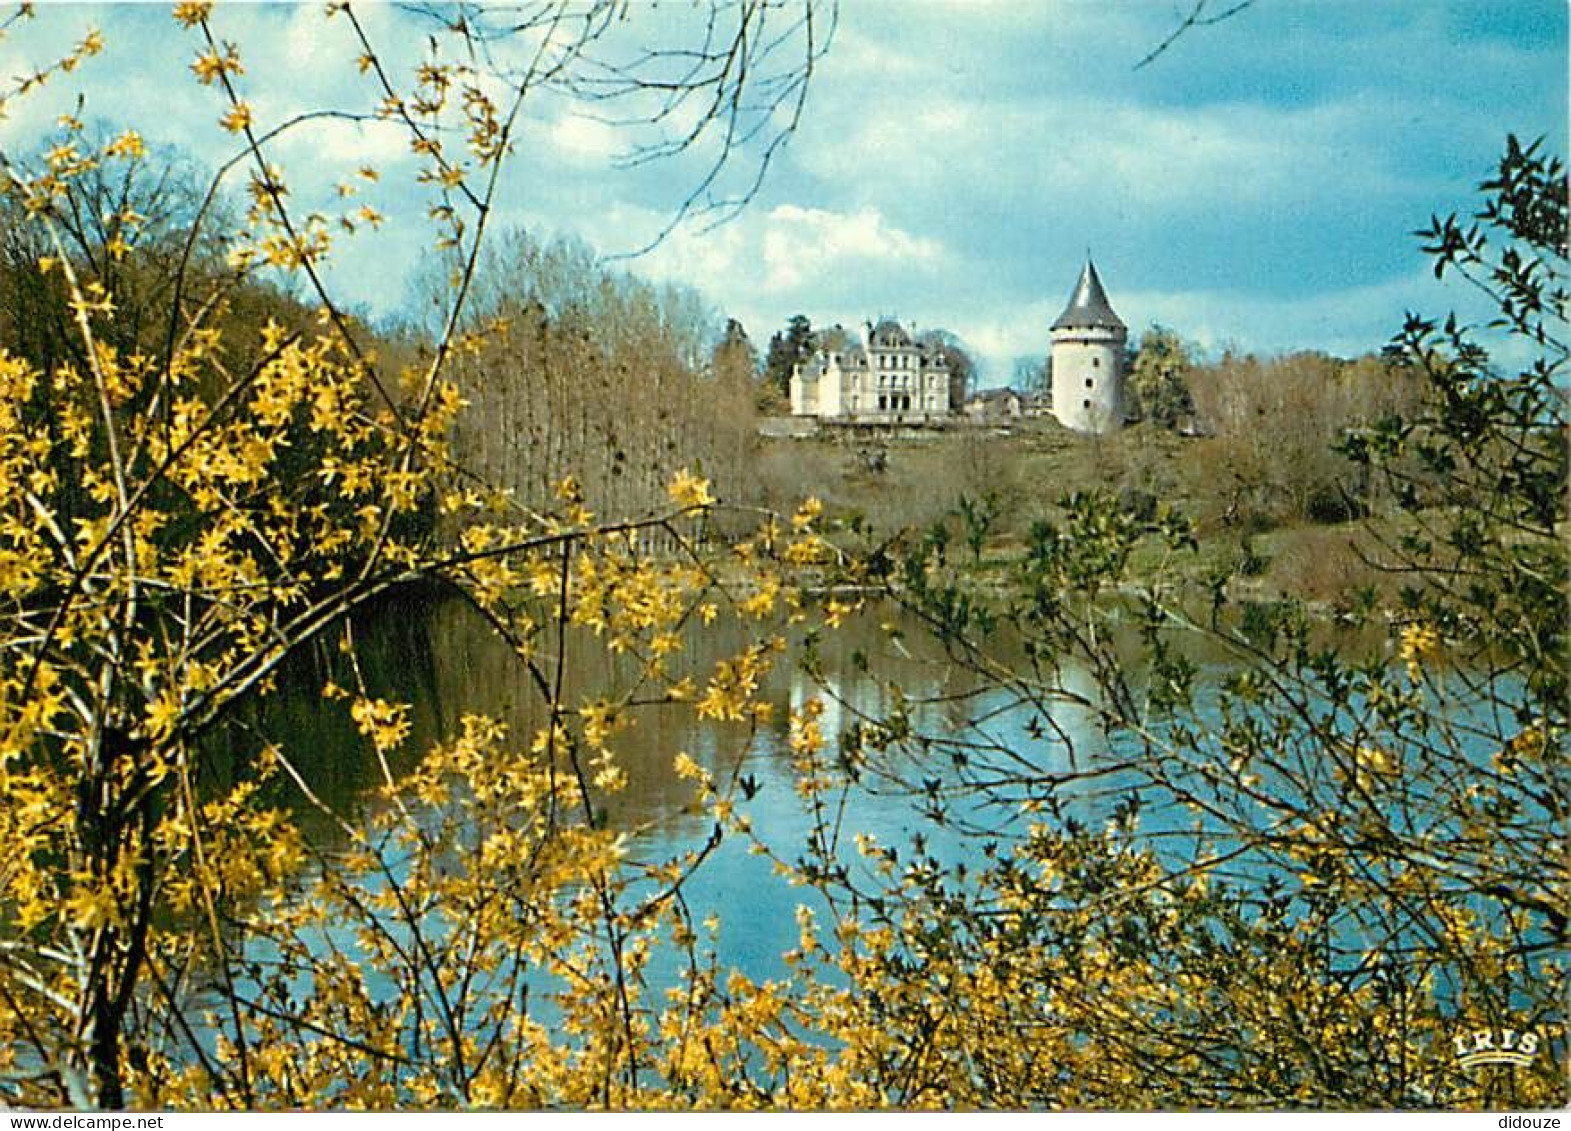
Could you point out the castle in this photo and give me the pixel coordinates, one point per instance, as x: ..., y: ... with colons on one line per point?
x: 892, y: 379
x: 1088, y: 359
x: 889, y: 379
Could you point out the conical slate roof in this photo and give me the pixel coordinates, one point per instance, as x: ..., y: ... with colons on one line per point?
x: 1088, y: 306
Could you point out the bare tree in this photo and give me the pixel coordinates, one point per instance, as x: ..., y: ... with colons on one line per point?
x: 1202, y: 13
x: 728, y: 78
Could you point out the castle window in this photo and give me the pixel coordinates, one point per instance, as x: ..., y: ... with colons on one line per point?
x: 1085, y: 404
x: 1096, y: 363
x: 1090, y: 384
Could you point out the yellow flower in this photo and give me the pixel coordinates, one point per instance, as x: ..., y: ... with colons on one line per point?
x: 836, y: 612
x: 128, y: 144
x: 90, y: 908
x: 806, y: 514
x: 687, y: 490
x: 1420, y: 645
x: 568, y: 491
x: 599, y: 721
x: 162, y: 714
x: 210, y: 66
x: 192, y: 13
x: 385, y: 724
x: 237, y: 119
x: 682, y: 690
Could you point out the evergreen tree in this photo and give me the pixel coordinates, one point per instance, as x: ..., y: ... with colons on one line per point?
x: 786, y: 349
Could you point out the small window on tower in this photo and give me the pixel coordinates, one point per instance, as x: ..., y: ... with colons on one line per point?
x: 1085, y: 404
x: 1090, y: 384
x: 1096, y: 363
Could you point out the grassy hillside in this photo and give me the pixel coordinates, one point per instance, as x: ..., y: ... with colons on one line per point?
x: 885, y: 485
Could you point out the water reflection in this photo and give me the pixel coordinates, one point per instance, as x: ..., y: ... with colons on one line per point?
x: 446, y: 662
x: 441, y: 658
x: 982, y: 746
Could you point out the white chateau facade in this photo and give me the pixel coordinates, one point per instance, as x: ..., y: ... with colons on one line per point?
x: 887, y: 378
x: 1088, y: 360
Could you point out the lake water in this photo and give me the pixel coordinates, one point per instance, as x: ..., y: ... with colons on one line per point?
x: 442, y: 659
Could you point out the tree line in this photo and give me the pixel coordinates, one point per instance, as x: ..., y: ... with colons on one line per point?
x: 593, y: 373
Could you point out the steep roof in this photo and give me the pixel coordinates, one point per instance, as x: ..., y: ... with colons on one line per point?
x: 1088, y: 305
x: 888, y: 332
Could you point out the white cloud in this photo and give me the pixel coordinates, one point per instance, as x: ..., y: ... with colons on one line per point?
x: 336, y: 146
x: 310, y: 46
x: 801, y: 245
x: 997, y: 341
x: 833, y: 266
x: 585, y: 140
x: 1066, y: 151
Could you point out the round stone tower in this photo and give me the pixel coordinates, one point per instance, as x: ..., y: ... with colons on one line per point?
x: 1088, y: 360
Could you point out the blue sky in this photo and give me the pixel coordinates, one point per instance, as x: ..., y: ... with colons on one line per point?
x: 1256, y: 186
